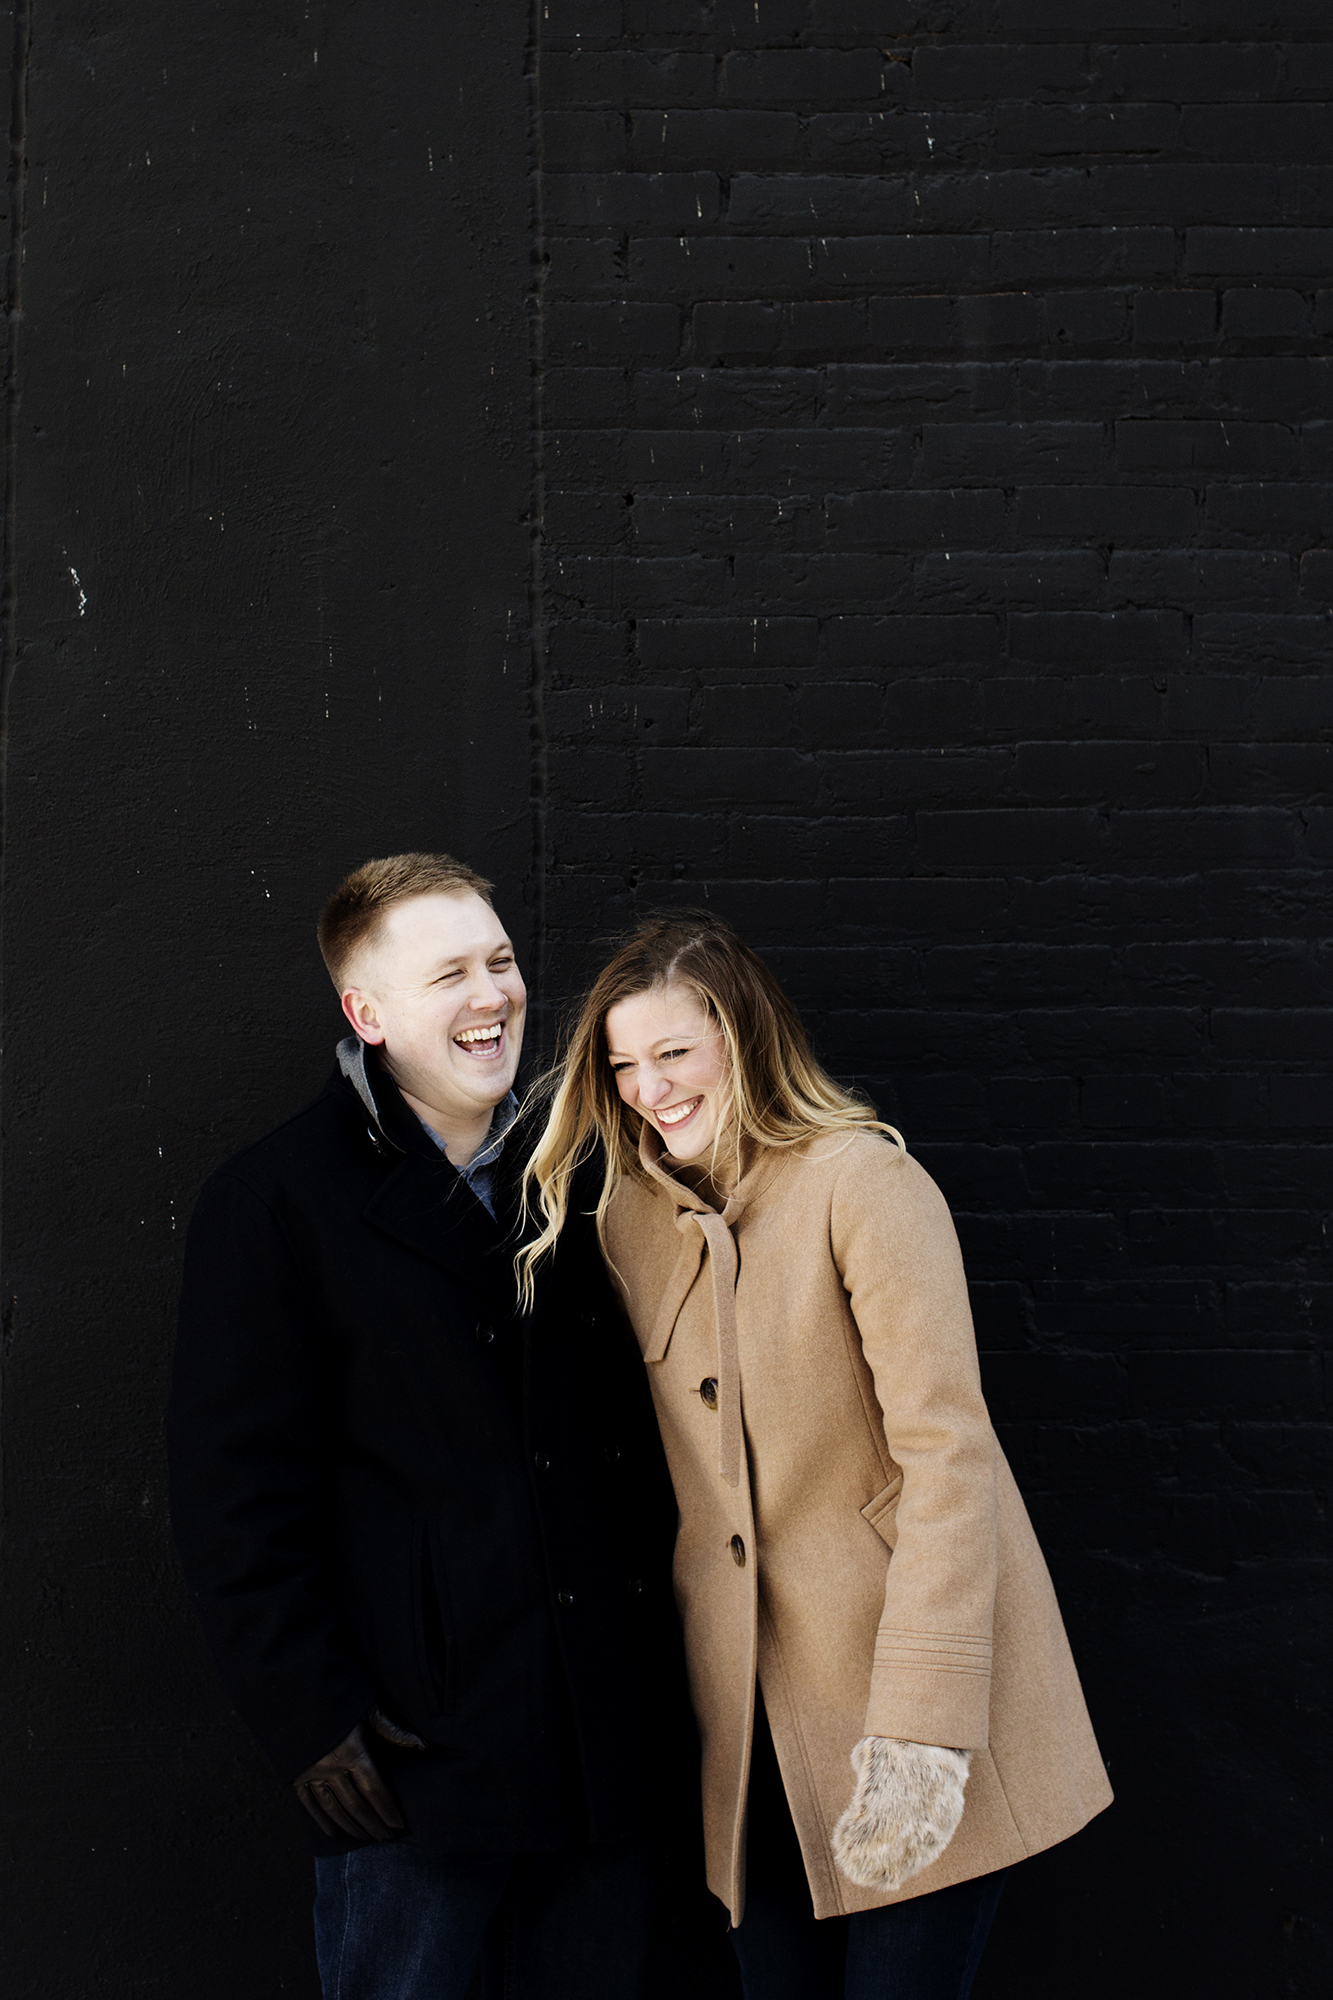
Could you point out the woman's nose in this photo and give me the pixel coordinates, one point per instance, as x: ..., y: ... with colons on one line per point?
x: 653, y: 1086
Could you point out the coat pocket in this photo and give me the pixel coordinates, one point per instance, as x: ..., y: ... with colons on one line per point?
x: 882, y: 1511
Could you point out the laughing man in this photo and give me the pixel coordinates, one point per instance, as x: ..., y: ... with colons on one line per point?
x: 429, y: 1538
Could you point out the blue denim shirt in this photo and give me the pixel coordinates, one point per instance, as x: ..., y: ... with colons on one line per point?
x: 479, y: 1173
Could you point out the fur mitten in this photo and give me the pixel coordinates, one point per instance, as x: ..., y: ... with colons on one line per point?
x: 904, y: 1812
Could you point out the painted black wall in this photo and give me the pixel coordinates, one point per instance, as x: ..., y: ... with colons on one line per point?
x: 930, y: 433
x: 272, y: 474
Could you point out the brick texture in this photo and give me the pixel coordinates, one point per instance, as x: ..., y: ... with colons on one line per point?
x: 937, y: 570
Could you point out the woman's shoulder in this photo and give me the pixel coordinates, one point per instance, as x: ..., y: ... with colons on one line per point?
x: 854, y: 1155
x: 867, y: 1167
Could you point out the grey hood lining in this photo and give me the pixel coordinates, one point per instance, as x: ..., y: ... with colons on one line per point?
x: 352, y: 1063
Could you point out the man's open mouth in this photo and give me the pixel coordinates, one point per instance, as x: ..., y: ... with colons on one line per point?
x: 482, y: 1044
x: 677, y: 1114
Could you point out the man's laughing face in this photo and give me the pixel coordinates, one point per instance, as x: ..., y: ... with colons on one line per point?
x: 438, y: 989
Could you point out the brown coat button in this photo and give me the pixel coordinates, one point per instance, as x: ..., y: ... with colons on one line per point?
x: 738, y: 1551
x: 708, y: 1391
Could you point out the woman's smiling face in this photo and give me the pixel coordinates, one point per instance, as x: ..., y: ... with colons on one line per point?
x: 670, y: 1065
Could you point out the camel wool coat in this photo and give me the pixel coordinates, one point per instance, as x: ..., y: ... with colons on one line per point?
x: 850, y: 1533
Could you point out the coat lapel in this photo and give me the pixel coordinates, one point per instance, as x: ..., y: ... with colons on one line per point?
x: 700, y: 1224
x: 678, y: 1287
x: 429, y: 1208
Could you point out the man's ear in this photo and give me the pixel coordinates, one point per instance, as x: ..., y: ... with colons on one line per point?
x: 359, y: 1008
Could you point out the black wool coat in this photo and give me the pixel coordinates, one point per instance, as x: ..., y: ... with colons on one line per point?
x: 388, y: 1487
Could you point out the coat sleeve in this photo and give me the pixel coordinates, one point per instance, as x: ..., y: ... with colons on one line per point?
x: 894, y: 1243
x: 244, y: 1434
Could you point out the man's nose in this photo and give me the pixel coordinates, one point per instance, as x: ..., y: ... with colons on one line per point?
x: 486, y: 995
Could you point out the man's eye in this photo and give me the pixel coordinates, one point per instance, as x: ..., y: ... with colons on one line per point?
x: 501, y: 964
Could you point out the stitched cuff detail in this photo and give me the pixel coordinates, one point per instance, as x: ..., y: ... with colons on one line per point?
x: 933, y: 1652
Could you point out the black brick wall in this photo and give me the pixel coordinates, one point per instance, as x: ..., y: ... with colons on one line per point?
x: 933, y: 465
x: 937, y: 504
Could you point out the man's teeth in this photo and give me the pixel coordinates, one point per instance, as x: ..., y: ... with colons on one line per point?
x: 679, y: 1111
x: 481, y: 1034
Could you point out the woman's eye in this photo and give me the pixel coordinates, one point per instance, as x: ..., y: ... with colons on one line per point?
x: 616, y: 1068
x: 671, y: 1054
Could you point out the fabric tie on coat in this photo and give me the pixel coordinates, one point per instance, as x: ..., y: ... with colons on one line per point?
x: 723, y: 1265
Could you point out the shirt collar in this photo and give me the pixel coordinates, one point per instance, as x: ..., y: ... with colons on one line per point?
x: 502, y: 1118
x: 491, y: 1147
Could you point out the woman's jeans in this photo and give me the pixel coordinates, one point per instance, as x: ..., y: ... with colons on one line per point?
x: 928, y: 1948
x: 404, y: 1921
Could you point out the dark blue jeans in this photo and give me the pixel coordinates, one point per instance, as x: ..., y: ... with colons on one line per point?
x: 926, y: 1949
x: 407, y: 1922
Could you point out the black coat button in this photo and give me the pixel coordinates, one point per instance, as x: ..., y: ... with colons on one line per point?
x: 738, y: 1551
x: 636, y: 1586
x: 564, y: 1597
x: 613, y: 1454
x: 485, y: 1333
x: 708, y: 1391
x: 541, y: 1461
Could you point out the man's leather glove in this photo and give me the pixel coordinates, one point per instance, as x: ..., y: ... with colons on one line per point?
x: 904, y: 1812
x: 344, y: 1793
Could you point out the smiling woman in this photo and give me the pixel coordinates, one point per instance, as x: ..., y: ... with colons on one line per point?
x: 889, y: 1714
x: 682, y: 995
x: 669, y: 1060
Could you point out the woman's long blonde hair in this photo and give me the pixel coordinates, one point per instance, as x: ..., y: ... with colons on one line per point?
x: 779, y: 1094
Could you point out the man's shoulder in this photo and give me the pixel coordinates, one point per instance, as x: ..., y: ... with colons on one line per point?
x: 311, y: 1142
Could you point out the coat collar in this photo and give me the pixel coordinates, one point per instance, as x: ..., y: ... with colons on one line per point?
x: 768, y: 1162
x: 393, y: 1119
x: 425, y: 1203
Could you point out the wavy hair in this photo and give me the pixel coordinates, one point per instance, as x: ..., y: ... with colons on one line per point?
x: 779, y: 1094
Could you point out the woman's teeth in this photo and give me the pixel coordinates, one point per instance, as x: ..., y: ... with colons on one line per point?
x: 482, y: 1041
x: 678, y: 1113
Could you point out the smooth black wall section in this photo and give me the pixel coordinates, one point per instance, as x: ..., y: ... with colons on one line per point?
x: 940, y: 495
x: 272, y: 481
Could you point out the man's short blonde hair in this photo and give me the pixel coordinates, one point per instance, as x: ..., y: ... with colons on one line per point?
x: 357, y: 907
